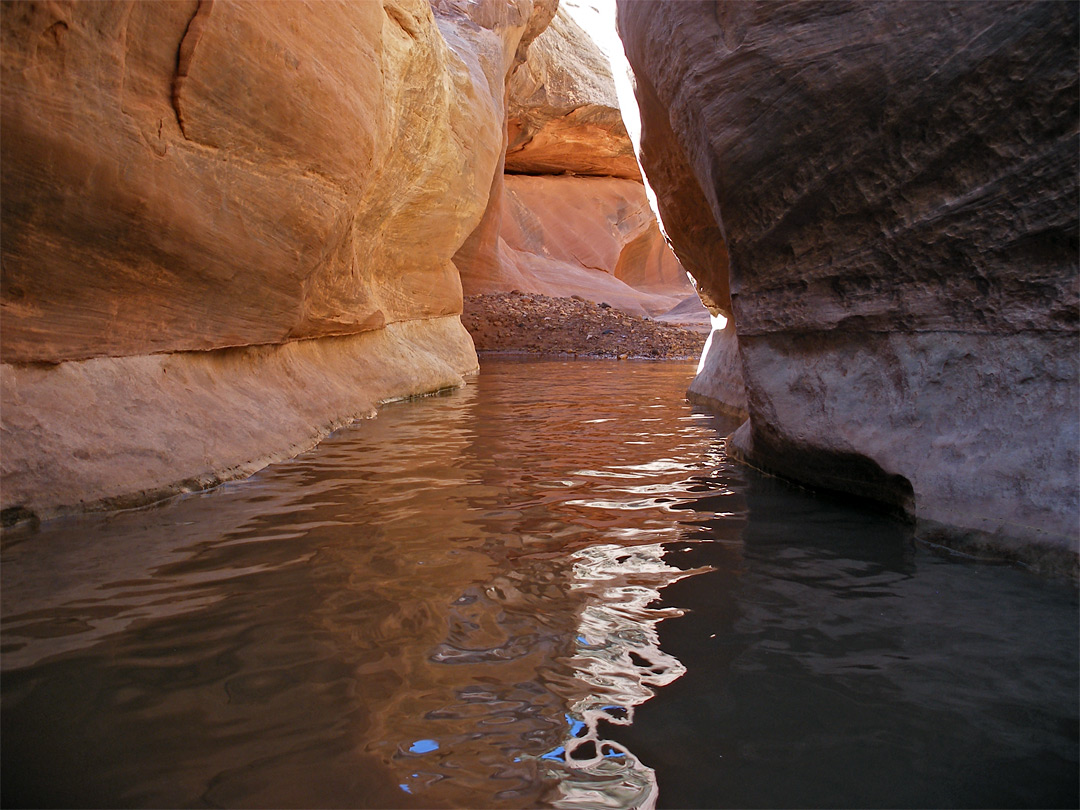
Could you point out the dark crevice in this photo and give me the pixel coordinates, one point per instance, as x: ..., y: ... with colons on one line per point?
x: 13, y: 515
x: 849, y: 476
x: 185, y: 53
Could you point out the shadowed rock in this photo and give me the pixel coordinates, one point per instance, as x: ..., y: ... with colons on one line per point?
x: 891, y: 198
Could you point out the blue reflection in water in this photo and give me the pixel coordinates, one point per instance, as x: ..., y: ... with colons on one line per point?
x: 575, y: 725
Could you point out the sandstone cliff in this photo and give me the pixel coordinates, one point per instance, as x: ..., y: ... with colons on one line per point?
x: 228, y: 227
x: 563, y: 113
x: 884, y: 196
x: 570, y: 215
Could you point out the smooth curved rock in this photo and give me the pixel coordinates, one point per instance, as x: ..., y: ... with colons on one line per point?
x: 563, y: 113
x: 277, y: 186
x: 719, y: 381
x: 895, y: 185
x: 112, y: 432
x: 551, y: 232
x: 266, y: 184
x: 595, y: 237
x: 696, y: 237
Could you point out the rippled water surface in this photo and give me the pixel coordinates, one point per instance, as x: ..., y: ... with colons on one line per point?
x: 547, y: 589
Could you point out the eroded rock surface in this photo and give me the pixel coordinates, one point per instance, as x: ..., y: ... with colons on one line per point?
x: 891, y: 192
x: 114, y: 432
x: 265, y: 189
x: 563, y: 113
x: 589, y: 236
x: 719, y: 382
x: 570, y: 215
x: 220, y: 187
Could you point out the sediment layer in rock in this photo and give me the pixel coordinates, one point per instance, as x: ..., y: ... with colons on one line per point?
x: 538, y: 324
x: 891, y: 193
x: 112, y: 432
x: 266, y: 184
x: 590, y: 236
x: 563, y: 113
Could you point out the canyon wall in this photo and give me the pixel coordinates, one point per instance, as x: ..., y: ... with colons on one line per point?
x: 884, y: 198
x: 569, y: 214
x: 228, y: 228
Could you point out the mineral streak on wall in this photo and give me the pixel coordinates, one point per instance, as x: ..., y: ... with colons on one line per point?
x: 884, y: 196
x: 228, y: 227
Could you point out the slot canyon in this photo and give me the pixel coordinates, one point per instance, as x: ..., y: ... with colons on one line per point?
x: 297, y: 452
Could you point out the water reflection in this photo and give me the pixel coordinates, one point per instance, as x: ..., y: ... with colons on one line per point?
x: 618, y: 656
x: 548, y: 589
x: 832, y: 662
x: 394, y: 619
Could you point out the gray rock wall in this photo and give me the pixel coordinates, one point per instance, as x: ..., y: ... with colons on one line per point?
x: 894, y: 186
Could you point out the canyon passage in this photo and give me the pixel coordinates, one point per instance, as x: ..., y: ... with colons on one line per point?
x: 248, y: 560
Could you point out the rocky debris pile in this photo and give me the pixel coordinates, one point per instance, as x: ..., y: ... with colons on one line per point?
x: 540, y: 324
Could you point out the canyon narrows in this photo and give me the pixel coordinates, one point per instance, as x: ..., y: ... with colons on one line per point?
x: 226, y: 234
x: 883, y: 197
x: 234, y: 230
x: 570, y: 201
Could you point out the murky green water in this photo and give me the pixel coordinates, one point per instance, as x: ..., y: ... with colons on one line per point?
x: 547, y: 589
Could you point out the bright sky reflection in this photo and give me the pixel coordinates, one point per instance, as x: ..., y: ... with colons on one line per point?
x: 619, y: 656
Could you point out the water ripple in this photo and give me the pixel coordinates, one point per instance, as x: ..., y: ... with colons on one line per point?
x: 461, y: 604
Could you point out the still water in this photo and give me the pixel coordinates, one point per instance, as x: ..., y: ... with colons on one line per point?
x: 547, y: 589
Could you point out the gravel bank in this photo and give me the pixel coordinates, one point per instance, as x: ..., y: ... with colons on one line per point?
x: 538, y: 324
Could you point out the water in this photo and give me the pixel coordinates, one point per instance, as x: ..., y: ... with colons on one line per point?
x: 547, y: 589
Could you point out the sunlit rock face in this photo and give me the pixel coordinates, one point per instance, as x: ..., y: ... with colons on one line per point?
x: 590, y: 236
x: 232, y: 178
x: 719, y: 380
x: 563, y: 113
x: 891, y: 191
x: 570, y: 215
